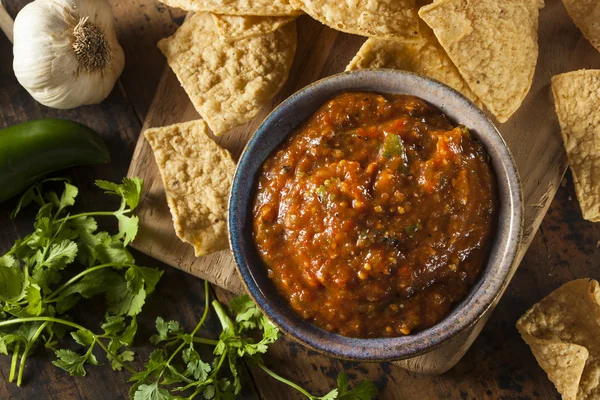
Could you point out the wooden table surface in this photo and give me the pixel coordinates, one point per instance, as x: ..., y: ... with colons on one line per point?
x: 498, y: 366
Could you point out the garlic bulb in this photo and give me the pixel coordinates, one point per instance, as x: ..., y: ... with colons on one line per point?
x: 66, y: 52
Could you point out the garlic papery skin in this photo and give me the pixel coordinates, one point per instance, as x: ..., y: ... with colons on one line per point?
x: 66, y: 52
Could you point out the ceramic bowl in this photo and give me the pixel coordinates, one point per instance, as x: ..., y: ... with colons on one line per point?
x: 282, y: 122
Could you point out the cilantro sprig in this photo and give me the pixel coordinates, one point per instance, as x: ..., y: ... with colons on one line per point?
x: 66, y: 259
x: 167, y: 374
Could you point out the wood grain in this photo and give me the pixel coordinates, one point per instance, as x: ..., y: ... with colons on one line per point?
x: 6, y: 23
x: 117, y: 120
x: 498, y: 366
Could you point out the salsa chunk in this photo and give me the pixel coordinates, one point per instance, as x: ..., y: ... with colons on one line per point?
x: 376, y: 216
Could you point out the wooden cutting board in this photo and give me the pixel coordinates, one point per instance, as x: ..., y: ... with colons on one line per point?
x: 532, y: 134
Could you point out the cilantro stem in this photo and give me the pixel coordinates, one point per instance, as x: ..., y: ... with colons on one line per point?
x: 44, y: 319
x: 206, y: 308
x: 52, y: 297
x: 27, y: 350
x: 226, y: 322
x: 205, y: 341
x: 92, y: 214
x: 283, y: 380
x: 198, y: 326
x: 67, y: 323
x: 13, y: 365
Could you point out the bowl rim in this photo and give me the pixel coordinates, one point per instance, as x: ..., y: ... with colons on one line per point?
x: 464, y: 314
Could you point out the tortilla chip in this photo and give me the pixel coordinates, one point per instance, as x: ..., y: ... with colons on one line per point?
x: 383, y: 19
x: 228, y: 81
x: 425, y: 57
x: 586, y: 15
x: 197, y: 176
x: 577, y: 100
x: 493, y: 43
x: 563, y: 331
x: 273, y: 8
x: 563, y: 362
x: 237, y: 27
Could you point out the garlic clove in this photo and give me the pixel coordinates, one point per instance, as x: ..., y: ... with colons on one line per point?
x: 66, y: 53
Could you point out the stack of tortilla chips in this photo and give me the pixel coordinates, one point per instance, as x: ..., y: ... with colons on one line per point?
x: 233, y: 56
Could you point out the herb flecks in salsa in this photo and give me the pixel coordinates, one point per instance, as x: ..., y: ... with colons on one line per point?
x: 376, y: 216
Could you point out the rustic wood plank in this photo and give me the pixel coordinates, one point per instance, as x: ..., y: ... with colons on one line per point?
x: 118, y: 121
x: 532, y: 134
x: 498, y: 365
x: 140, y: 25
x: 6, y: 23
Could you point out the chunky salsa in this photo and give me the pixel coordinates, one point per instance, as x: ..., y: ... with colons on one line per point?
x: 376, y: 216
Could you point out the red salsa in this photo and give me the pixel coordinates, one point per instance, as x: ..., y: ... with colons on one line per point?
x: 376, y: 216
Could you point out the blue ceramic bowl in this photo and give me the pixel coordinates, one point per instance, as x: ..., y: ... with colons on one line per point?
x: 282, y: 122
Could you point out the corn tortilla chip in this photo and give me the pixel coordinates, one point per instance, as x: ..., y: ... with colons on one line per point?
x: 577, y: 101
x: 586, y: 15
x: 493, y: 43
x: 237, y: 27
x: 563, y: 332
x: 273, y: 8
x: 563, y: 362
x: 425, y: 57
x: 384, y: 19
x: 197, y: 176
x: 228, y: 81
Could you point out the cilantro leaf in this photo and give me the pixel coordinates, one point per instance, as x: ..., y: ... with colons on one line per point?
x: 166, y: 331
x: 152, y: 392
x: 11, y: 280
x: 6, y: 340
x: 342, y: 382
x: 113, y: 325
x: 126, y: 356
x: 155, y: 364
x: 111, y: 249
x: 123, y: 302
x: 83, y: 337
x: 195, y: 366
x: 142, y: 277
x: 74, y: 363
x: 128, y: 228
x: 33, y: 295
x: 364, y: 390
x: 28, y: 196
x: 333, y: 395
x: 130, y: 190
x: 248, y: 314
x: 88, y: 241
x: 60, y: 255
x: 68, y: 197
x: 8, y: 261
